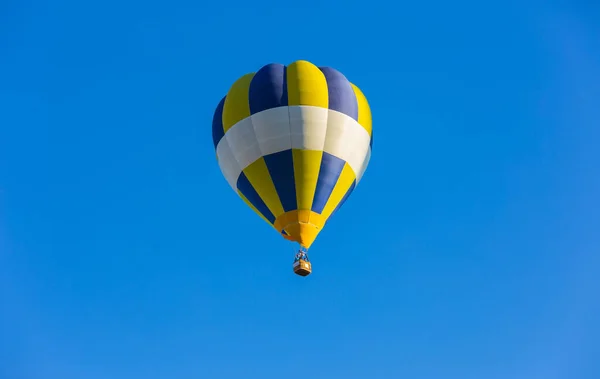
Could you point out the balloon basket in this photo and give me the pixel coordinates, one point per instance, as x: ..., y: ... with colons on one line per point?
x: 302, y: 267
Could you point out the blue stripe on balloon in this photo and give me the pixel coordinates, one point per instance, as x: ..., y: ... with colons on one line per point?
x: 341, y: 94
x: 344, y: 198
x: 331, y: 168
x: 246, y: 188
x: 268, y: 88
x: 281, y: 168
x: 217, y: 125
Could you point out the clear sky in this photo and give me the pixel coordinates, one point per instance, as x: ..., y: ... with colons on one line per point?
x: 471, y: 248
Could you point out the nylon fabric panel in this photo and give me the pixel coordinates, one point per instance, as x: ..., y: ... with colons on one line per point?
x: 281, y: 169
x: 331, y: 168
x: 306, y: 171
x: 306, y: 85
x: 308, y: 127
x: 300, y: 127
x: 243, y: 142
x: 364, y: 110
x: 304, y: 234
x: 251, y: 195
x: 272, y: 129
x: 364, y: 166
x: 217, y: 124
x: 340, y: 92
x: 346, y: 196
x: 346, y: 140
x: 301, y: 226
x: 228, y: 163
x: 258, y: 175
x: 237, y: 107
x: 268, y: 88
x: 344, y: 183
x: 296, y: 216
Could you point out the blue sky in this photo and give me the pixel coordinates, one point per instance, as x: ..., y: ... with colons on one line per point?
x: 469, y: 250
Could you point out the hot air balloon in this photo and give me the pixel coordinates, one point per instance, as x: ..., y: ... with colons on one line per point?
x: 293, y: 142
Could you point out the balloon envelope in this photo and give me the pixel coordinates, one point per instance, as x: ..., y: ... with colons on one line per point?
x: 293, y: 142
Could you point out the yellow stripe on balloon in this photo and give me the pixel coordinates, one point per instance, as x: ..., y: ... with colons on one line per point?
x: 306, y: 85
x: 307, y: 164
x: 258, y: 175
x: 364, y: 111
x: 236, y: 106
x: 342, y: 186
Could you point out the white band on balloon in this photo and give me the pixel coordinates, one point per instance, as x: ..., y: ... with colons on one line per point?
x: 293, y: 127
